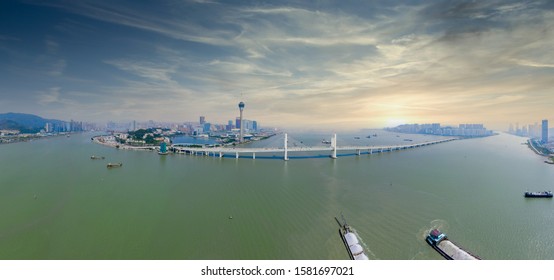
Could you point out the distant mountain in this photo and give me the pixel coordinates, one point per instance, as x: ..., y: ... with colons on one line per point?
x: 26, y: 123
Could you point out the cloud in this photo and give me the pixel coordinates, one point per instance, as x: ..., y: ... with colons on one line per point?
x: 294, y: 63
x: 51, y: 96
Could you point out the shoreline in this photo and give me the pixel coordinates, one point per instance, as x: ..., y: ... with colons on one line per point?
x: 30, y: 137
x: 103, y: 140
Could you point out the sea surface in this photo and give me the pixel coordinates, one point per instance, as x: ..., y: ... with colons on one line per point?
x: 57, y: 203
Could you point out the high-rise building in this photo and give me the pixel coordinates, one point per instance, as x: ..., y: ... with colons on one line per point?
x: 229, y: 125
x: 241, y: 108
x: 202, y: 119
x: 544, y: 136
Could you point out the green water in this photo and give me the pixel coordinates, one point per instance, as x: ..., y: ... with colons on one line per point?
x: 57, y: 203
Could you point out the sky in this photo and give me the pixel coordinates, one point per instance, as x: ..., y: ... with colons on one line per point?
x: 295, y: 64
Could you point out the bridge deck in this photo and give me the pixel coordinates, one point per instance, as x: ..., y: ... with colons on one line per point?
x: 235, y: 150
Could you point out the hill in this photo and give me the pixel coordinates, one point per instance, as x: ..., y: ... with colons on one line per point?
x: 26, y: 123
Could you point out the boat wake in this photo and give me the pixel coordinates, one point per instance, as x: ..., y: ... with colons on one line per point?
x: 439, y: 224
x: 370, y: 254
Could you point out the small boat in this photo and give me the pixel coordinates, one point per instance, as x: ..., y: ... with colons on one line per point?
x: 538, y: 194
x: 95, y: 157
x: 356, y: 137
x: 408, y: 139
x: 369, y: 136
x: 325, y: 141
x: 350, y: 240
x: 110, y: 165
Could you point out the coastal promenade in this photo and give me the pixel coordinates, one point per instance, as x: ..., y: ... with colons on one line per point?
x: 285, y: 152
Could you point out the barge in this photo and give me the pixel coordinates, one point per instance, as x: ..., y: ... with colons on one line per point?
x: 446, y: 248
x: 538, y: 194
x: 350, y: 240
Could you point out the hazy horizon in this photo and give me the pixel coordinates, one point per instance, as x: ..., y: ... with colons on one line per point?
x: 325, y: 65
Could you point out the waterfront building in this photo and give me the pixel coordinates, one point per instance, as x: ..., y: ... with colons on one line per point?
x: 469, y: 130
x: 544, y: 136
x: 207, y: 127
x: 202, y: 119
x: 48, y: 128
x: 229, y: 125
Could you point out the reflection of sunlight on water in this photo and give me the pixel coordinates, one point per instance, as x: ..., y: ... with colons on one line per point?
x: 369, y: 253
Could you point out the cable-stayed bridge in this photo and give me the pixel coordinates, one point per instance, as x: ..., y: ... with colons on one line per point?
x: 287, y: 152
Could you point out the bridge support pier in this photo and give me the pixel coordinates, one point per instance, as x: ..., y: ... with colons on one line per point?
x: 253, y: 155
x: 236, y: 154
x: 220, y: 154
x: 334, y: 146
x: 286, y: 156
x: 358, y: 152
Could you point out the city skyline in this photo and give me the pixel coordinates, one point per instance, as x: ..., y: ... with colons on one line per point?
x: 321, y: 65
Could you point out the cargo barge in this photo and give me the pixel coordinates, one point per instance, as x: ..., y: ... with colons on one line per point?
x: 350, y: 240
x: 538, y: 194
x: 446, y: 248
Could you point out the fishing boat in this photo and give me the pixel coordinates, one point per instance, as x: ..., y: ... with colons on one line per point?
x: 350, y: 240
x: 110, y: 165
x: 538, y: 194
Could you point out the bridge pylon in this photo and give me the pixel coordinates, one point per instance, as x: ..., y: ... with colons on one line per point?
x: 286, y: 156
x: 334, y: 146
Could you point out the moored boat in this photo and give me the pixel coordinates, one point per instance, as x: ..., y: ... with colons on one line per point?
x: 538, y: 194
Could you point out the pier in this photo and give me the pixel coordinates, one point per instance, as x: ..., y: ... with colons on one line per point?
x: 331, y: 151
